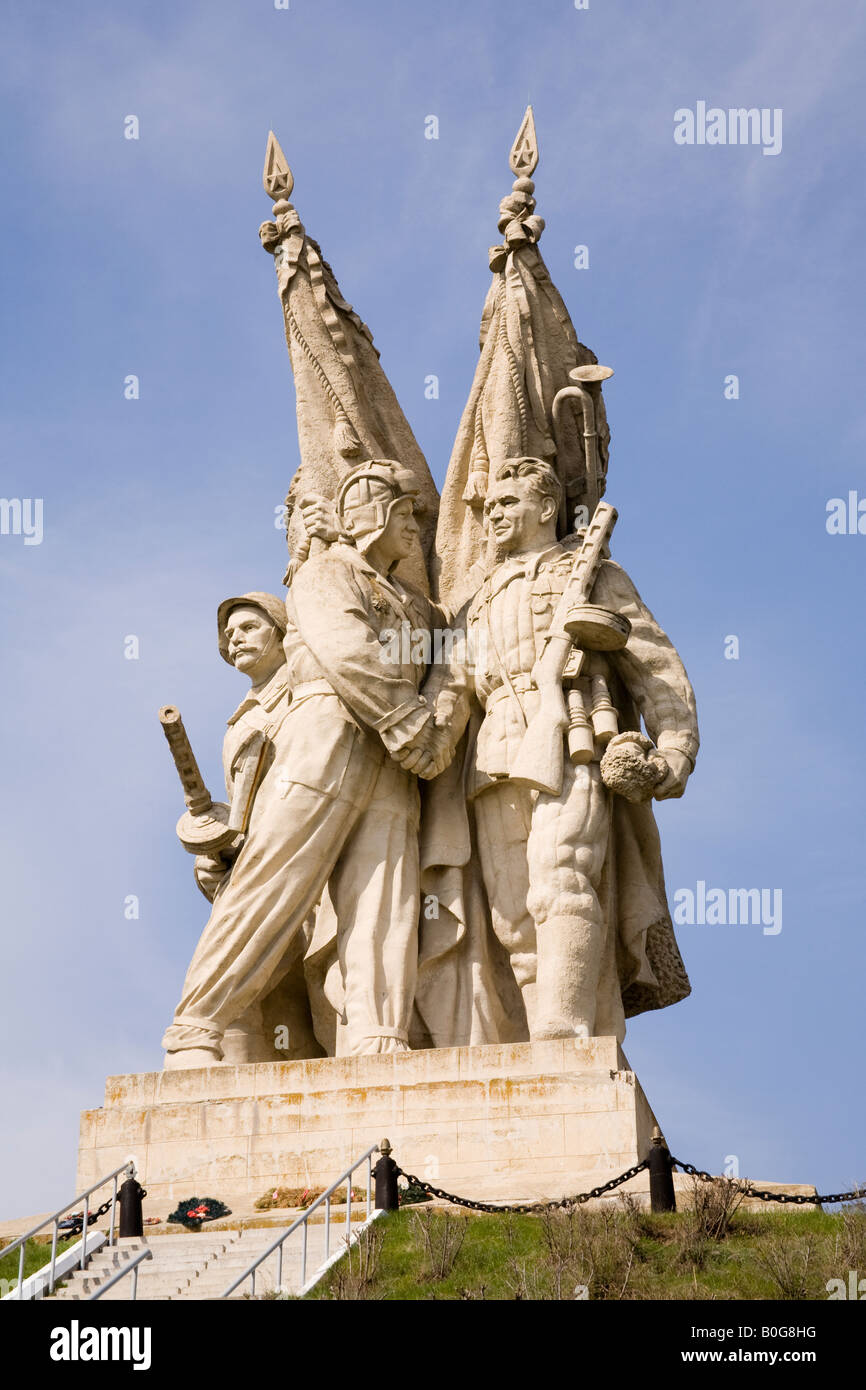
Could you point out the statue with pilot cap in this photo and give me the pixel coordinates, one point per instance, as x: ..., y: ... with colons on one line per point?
x: 336, y: 802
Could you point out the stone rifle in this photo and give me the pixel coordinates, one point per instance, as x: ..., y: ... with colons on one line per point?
x: 207, y: 826
x: 577, y: 626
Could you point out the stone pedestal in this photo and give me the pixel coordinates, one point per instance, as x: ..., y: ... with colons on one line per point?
x: 526, y: 1120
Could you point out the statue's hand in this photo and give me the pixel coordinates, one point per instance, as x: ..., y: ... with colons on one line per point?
x: 416, y: 755
x: 319, y: 517
x: 210, y: 870
x: 269, y: 234
x: 679, y: 770
x: 427, y: 753
x: 442, y: 752
x: 475, y: 490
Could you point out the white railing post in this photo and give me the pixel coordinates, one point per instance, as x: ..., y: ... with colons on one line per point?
x: 53, y: 1257
x: 84, y: 1230
x: 111, y: 1235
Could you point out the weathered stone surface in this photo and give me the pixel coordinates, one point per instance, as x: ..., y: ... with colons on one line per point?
x: 322, y: 880
x: 540, y: 859
x: 524, y: 1119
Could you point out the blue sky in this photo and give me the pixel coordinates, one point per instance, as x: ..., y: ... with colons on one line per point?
x: 142, y: 257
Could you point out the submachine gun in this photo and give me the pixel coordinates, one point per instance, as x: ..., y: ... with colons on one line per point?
x: 578, y: 626
x: 208, y: 826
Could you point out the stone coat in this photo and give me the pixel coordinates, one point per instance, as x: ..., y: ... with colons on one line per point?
x: 341, y: 611
x: 507, y: 623
x: 333, y: 811
x: 262, y: 712
x: 463, y: 993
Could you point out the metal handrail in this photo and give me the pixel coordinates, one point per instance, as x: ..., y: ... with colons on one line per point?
x: 21, y: 1241
x: 250, y: 1271
x: 130, y: 1268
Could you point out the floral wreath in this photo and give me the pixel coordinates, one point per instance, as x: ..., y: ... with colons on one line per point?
x: 194, y: 1210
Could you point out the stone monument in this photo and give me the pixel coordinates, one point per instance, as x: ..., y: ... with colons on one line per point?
x: 437, y: 890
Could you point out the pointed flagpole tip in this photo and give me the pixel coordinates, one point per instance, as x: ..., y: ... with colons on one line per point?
x: 277, y: 177
x: 524, y: 152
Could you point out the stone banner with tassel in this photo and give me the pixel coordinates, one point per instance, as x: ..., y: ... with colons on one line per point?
x: 528, y: 349
x: 347, y: 410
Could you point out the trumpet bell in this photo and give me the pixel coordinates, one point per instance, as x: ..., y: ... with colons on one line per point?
x: 594, y: 371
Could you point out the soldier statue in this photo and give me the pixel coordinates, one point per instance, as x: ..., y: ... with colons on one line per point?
x: 549, y: 857
x: 337, y: 805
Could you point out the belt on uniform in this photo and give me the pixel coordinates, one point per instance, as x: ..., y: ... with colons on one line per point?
x: 320, y: 687
x: 522, y: 686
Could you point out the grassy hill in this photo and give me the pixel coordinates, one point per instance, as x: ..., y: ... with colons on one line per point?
x: 37, y: 1252
x: 716, y: 1250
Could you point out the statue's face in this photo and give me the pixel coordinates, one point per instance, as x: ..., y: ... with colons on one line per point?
x: 400, y: 533
x: 250, y: 637
x: 517, y: 516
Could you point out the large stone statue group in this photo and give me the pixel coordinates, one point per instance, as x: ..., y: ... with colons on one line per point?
x: 414, y: 866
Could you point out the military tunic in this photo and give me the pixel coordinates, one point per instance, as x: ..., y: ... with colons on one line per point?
x: 334, y: 808
x: 545, y: 857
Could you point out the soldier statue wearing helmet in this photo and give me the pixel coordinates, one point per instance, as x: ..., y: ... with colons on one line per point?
x: 250, y: 632
x: 337, y: 807
x: 368, y: 495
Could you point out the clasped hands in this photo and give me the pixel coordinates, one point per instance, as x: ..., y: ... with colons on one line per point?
x: 428, y: 753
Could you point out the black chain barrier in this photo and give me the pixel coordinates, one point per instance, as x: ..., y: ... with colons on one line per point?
x: 798, y: 1199
x: 523, y: 1207
x: 92, y: 1216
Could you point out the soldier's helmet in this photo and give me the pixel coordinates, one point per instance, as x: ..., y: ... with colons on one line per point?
x: 367, y: 495
x: 273, y: 607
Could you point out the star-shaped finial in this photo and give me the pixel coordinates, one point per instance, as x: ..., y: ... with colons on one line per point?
x: 277, y: 176
x: 524, y: 152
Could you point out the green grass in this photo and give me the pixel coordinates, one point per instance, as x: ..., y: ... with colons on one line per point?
x: 36, y: 1254
x: 616, y: 1254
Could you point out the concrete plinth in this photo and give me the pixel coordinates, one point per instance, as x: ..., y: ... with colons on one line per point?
x: 525, y: 1120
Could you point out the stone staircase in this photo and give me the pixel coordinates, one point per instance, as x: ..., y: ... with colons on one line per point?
x: 199, y: 1265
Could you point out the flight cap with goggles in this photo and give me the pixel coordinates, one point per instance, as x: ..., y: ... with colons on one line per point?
x: 367, y: 496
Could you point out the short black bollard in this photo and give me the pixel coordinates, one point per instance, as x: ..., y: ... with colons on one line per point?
x: 385, y: 1173
x: 661, y: 1175
x: 131, y: 1218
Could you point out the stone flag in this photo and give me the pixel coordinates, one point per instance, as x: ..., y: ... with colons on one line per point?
x: 347, y: 410
x: 528, y: 347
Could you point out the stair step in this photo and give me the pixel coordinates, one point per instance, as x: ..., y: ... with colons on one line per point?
x: 200, y: 1265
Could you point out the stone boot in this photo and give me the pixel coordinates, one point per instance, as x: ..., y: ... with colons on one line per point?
x: 569, y: 963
